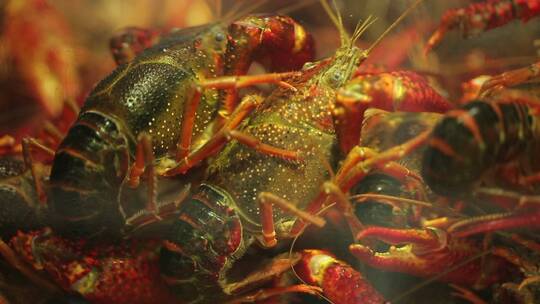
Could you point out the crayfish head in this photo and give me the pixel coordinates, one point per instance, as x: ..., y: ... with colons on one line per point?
x: 342, y: 66
x: 347, y: 56
x: 215, y: 38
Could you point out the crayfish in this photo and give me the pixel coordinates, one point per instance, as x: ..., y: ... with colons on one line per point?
x: 158, y: 106
x: 465, y: 158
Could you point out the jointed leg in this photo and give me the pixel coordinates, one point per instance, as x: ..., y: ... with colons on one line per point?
x: 218, y: 140
x: 344, y: 205
x: 144, y: 162
x: 527, y: 243
x: 188, y: 158
x: 225, y: 134
x: 527, y: 214
x: 495, y: 222
x: 53, y: 131
x: 510, y: 78
x: 188, y: 122
x: 531, y: 179
x: 254, y: 143
x: 238, y: 82
x: 266, y: 203
x: 527, y: 267
x: 271, y: 270
x: 354, y: 171
x: 356, y: 155
x: 233, y: 83
x: 361, y: 161
x: 13, y: 259
x: 30, y: 145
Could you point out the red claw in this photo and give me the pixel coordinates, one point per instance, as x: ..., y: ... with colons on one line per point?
x: 432, y: 252
x: 482, y: 16
x: 278, y: 42
x: 340, y: 282
x: 390, y: 91
x: 121, y: 273
x: 449, y: 21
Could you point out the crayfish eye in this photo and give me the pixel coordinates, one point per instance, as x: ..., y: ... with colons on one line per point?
x: 219, y: 37
x: 336, y: 78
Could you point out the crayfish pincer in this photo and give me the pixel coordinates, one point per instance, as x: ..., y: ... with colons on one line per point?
x: 158, y: 107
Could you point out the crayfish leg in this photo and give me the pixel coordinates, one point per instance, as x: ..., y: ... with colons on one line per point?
x: 358, y: 163
x: 226, y: 82
x: 273, y: 269
x: 228, y: 133
x: 361, y: 161
x: 266, y: 202
x: 188, y: 121
x: 345, y: 206
x: 233, y: 83
x: 144, y: 162
x: 214, y: 144
x: 30, y: 145
x: 483, y: 16
x: 525, y: 215
x: 254, y: 143
x: 496, y: 222
x: 510, y: 78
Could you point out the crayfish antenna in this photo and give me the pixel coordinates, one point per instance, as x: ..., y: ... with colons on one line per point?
x: 347, y: 54
x: 337, y: 20
x: 361, y: 27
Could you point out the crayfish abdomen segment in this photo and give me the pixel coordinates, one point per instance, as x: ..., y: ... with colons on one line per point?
x: 86, y: 174
x: 202, y: 244
x: 469, y: 141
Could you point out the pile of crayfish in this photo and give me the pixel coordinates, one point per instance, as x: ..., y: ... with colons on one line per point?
x: 183, y: 180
